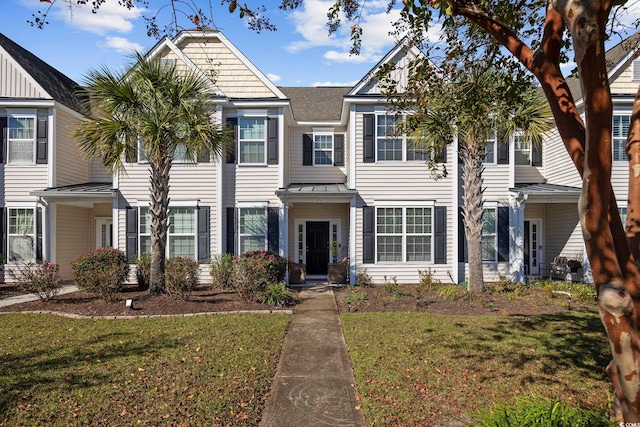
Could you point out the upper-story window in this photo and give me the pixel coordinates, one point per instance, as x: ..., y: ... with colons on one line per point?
x: 383, y: 143
x: 490, y: 147
x: 323, y: 149
x: 22, y: 138
x: 389, y: 145
x: 252, y: 140
x: 522, y: 148
x: 620, y: 132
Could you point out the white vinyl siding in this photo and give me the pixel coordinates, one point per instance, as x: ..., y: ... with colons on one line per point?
x: 635, y: 71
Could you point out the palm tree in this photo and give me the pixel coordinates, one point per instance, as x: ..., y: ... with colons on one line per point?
x: 162, y: 110
x: 471, y: 106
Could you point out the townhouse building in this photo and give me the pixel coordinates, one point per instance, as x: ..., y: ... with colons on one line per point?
x: 311, y: 168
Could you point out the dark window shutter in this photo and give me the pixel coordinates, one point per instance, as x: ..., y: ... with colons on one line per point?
x: 272, y: 140
x: 273, y: 233
x: 463, y: 255
x: 3, y: 234
x: 536, y: 155
x: 503, y: 233
x: 503, y: 151
x: 4, y: 135
x: 440, y: 235
x: 368, y: 132
x: 38, y: 234
x: 368, y: 235
x: 231, y: 230
x: 204, y: 234
x: 338, y: 150
x: 232, y: 125
x: 41, y: 139
x: 132, y: 234
x: 204, y: 156
x: 307, y: 150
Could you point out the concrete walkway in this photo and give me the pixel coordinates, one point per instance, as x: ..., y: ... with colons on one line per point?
x: 67, y: 289
x: 314, y: 383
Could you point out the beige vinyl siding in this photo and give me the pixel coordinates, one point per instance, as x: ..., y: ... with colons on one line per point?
x: 319, y: 212
x: 622, y: 82
x: 529, y: 174
x: 15, y: 84
x: 188, y: 183
x: 73, y: 227
x: 558, y: 166
x: 495, y: 181
x: 228, y: 72
x: 99, y: 173
x: 620, y: 179
x: 20, y: 180
x: 313, y: 174
x: 402, y: 60
x: 562, y: 232
x: 254, y: 184
x: 71, y: 168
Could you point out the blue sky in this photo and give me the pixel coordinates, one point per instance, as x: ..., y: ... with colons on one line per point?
x: 300, y: 53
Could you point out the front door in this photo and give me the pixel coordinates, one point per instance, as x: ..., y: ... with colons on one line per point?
x: 317, y: 247
x: 532, y: 246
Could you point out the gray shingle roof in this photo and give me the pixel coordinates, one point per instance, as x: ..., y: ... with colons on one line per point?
x: 316, y: 103
x: 60, y: 87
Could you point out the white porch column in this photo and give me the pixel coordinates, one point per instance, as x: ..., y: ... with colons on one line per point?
x: 516, y: 236
x: 284, y: 229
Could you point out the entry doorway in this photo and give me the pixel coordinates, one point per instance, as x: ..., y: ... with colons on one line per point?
x: 104, y: 233
x: 317, y: 250
x: 532, y: 246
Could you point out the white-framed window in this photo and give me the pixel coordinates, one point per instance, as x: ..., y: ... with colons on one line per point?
x: 22, y: 138
x: 104, y: 232
x: 252, y: 140
x: 323, y: 149
x: 21, y: 233
x: 252, y: 225
x: 404, y: 234
x: 489, y: 234
x: 391, y: 146
x: 181, y: 238
x: 490, y: 147
x: 620, y: 132
x: 522, y: 148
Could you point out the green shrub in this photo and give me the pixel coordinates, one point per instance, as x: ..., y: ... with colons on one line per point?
x: 391, y: 286
x: 247, y: 280
x: 222, y: 271
x: 277, y: 294
x: 181, y: 275
x: 143, y: 271
x: 102, y: 271
x: 41, y: 279
x: 364, y: 280
x: 354, y: 298
x: 534, y: 412
x: 427, y: 282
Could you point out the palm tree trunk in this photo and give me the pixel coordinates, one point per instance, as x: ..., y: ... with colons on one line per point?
x: 159, y: 209
x: 472, y: 155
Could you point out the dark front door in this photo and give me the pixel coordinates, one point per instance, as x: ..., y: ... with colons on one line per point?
x: 317, y: 247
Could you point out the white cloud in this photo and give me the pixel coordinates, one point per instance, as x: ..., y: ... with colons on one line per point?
x: 273, y: 77
x: 348, y: 84
x: 110, y: 17
x: 311, y: 23
x: 122, y: 45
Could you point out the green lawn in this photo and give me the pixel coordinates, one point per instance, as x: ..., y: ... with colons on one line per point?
x: 415, y: 369
x: 196, y: 371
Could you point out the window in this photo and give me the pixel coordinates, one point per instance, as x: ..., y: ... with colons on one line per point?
x: 253, y: 229
x: 490, y: 147
x: 323, y: 149
x: 252, y: 140
x: 623, y: 215
x: 522, y: 150
x: 620, y: 131
x: 388, y: 145
x: 489, y: 234
x: 22, y: 139
x: 181, y: 239
x: 21, y: 233
x: 404, y: 234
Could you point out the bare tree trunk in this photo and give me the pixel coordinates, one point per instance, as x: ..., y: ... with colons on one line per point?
x: 159, y: 209
x: 471, y: 156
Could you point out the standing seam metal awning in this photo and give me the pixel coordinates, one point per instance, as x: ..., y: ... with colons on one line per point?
x: 316, y: 190
x: 89, y: 190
